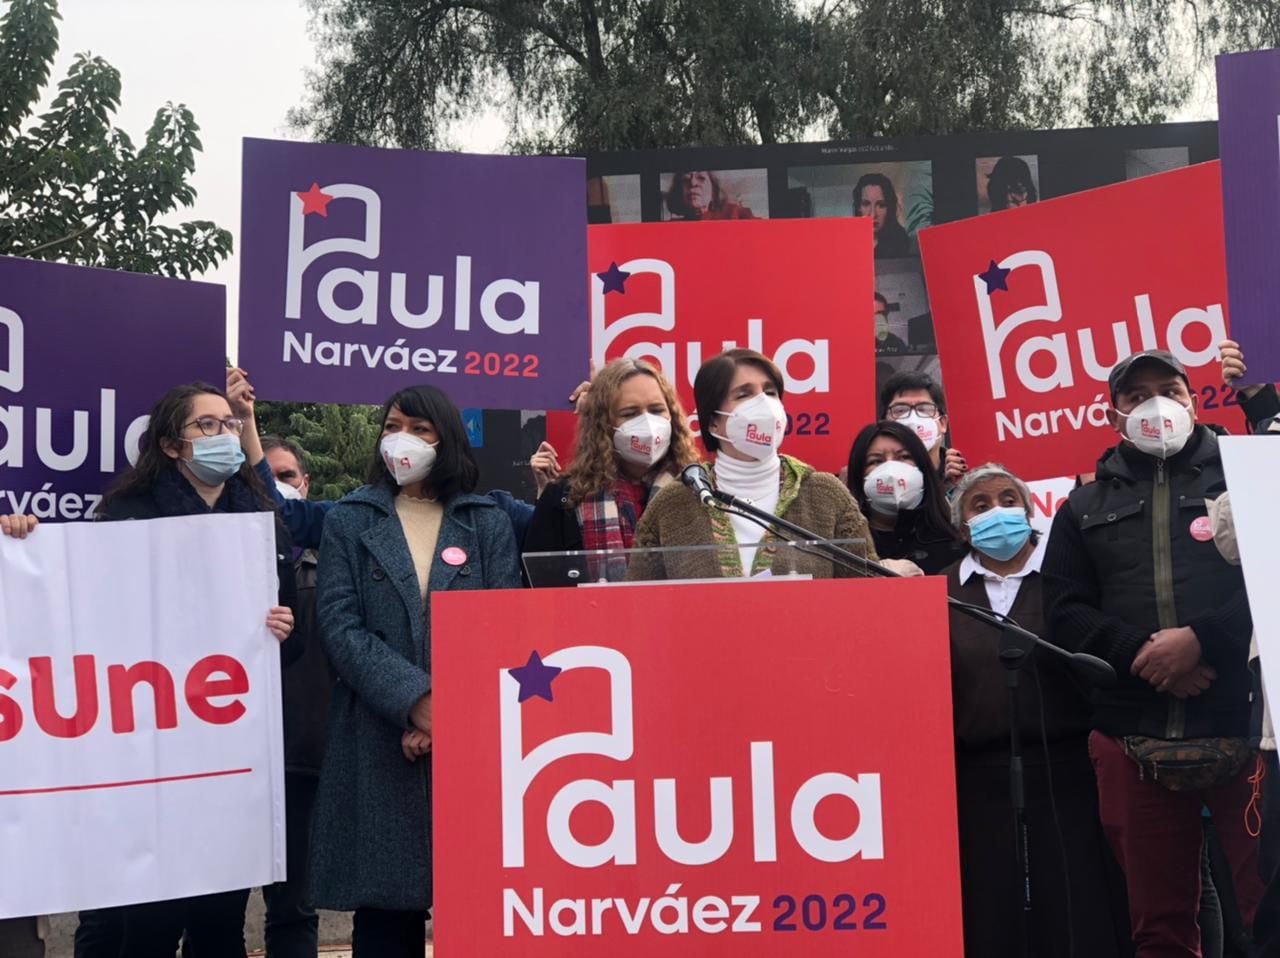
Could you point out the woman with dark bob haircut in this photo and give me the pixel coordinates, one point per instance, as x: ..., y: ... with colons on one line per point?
x: 874, y: 196
x: 739, y: 399
x: 898, y: 489
x: 414, y: 530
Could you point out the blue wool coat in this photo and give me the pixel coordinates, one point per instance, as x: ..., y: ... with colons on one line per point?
x: 371, y: 833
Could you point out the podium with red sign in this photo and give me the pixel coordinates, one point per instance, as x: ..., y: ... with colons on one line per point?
x: 742, y: 767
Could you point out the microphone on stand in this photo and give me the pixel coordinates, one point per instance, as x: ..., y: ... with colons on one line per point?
x: 695, y: 477
x: 1097, y: 672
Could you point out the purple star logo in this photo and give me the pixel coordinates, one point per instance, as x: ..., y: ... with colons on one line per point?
x: 614, y: 279
x: 996, y: 277
x: 535, y: 678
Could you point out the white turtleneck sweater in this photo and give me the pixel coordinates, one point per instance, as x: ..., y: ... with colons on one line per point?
x: 759, y: 482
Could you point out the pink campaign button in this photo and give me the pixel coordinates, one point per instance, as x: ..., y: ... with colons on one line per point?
x: 453, y: 556
x: 1201, y: 531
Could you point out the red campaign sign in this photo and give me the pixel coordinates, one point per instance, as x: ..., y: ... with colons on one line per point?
x: 799, y: 291
x: 606, y: 784
x: 1033, y: 306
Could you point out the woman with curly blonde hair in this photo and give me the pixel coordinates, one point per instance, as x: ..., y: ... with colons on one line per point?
x: 633, y: 439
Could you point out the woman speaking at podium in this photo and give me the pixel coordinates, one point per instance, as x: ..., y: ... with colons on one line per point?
x: 739, y: 399
x: 633, y: 439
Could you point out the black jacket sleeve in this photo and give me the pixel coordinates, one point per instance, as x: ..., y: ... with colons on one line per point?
x: 548, y: 529
x: 1072, y: 600
x: 291, y: 649
x: 1261, y: 406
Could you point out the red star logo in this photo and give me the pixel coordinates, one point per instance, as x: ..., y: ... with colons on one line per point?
x: 314, y: 201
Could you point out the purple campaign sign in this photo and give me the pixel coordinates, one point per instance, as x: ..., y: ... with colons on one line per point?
x: 363, y: 271
x: 1249, y: 138
x: 84, y: 355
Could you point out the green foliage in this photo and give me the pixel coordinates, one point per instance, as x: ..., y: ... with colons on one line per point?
x: 75, y: 189
x: 920, y: 207
x: 579, y: 75
x: 338, y: 441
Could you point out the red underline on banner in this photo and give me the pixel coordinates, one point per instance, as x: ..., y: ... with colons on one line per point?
x: 142, y: 781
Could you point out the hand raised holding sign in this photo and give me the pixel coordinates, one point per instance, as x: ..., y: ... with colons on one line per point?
x: 1234, y: 369
x: 18, y: 527
x: 280, y: 622
x: 546, y: 466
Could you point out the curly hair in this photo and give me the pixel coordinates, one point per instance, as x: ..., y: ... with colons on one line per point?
x: 595, y: 465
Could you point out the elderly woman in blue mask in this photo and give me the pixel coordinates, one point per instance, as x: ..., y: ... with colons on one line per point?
x: 1077, y: 890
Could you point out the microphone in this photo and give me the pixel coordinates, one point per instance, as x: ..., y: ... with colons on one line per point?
x: 1097, y: 672
x: 695, y: 477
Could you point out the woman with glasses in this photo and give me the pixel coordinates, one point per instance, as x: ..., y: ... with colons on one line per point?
x: 414, y: 531
x: 189, y: 464
x: 896, y: 487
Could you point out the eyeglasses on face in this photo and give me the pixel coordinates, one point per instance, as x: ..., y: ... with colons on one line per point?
x: 901, y: 410
x: 213, y: 426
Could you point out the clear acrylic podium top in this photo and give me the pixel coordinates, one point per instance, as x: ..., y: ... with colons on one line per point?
x: 772, y: 560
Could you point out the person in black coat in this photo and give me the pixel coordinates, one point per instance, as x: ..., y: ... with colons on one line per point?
x: 189, y: 463
x: 1077, y: 892
x: 292, y: 925
x: 900, y: 492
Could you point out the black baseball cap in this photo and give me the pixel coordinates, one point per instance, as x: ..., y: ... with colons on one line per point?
x: 1149, y: 357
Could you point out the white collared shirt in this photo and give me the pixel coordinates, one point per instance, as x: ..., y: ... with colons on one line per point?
x: 1001, y: 590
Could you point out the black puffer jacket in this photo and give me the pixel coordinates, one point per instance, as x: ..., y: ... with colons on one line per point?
x: 307, y: 685
x: 1132, y: 554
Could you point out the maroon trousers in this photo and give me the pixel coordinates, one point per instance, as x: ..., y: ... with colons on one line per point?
x: 1156, y: 835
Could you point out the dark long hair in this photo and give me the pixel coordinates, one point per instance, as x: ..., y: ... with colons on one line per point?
x: 168, y: 416
x: 892, y: 228
x: 933, y: 515
x: 1008, y: 172
x: 455, y: 470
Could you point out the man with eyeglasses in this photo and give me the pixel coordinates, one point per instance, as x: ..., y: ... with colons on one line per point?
x: 917, y: 402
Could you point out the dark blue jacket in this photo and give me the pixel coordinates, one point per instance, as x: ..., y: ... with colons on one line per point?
x: 371, y: 835
x: 305, y: 519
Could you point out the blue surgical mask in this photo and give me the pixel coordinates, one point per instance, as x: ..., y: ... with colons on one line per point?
x: 1000, y: 533
x: 215, y: 459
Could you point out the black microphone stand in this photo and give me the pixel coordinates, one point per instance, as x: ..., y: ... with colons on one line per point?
x: 1017, y: 645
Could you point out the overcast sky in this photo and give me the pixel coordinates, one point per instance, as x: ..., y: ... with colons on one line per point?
x: 239, y: 65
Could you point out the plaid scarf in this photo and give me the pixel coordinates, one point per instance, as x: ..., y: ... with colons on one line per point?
x: 608, y: 521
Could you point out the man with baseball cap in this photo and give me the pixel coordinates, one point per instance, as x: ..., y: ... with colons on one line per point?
x: 1132, y: 575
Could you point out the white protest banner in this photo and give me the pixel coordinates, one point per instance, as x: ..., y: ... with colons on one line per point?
x: 1252, y: 464
x: 140, y: 727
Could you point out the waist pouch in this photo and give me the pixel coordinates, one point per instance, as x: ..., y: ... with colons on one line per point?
x: 1190, y: 764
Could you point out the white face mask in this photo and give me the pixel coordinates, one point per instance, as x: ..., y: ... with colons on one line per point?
x: 893, y: 486
x: 756, y: 426
x: 1159, y: 427
x: 643, y: 439
x: 407, y: 457
x: 927, y: 429
x: 288, y: 491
